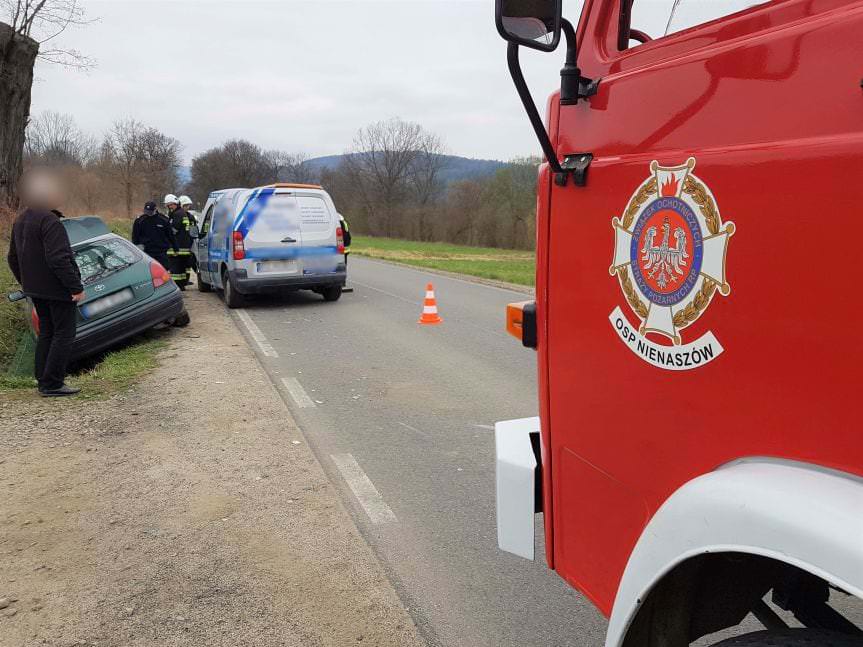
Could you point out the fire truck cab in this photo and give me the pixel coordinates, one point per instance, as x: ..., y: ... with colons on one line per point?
x: 698, y: 454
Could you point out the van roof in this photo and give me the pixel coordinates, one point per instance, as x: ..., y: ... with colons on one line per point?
x: 289, y: 185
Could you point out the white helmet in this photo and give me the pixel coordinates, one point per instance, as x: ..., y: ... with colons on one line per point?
x: 185, y: 201
x: 171, y: 199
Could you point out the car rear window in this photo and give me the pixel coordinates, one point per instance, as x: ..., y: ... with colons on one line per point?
x: 102, y: 258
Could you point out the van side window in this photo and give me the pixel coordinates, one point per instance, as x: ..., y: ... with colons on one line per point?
x: 642, y: 21
x: 205, y: 227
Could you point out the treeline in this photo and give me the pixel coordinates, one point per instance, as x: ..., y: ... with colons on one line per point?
x: 389, y: 182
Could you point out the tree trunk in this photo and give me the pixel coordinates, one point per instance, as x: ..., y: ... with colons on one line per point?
x: 17, y: 57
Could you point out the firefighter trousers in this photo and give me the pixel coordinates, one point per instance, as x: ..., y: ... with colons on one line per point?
x: 181, y: 264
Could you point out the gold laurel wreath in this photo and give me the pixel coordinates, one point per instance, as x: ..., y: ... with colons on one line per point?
x: 631, y: 295
x: 705, y: 203
x: 641, y: 196
x: 707, y: 206
x: 691, y: 312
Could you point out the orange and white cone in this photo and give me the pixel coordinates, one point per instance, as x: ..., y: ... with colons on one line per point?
x: 430, y: 316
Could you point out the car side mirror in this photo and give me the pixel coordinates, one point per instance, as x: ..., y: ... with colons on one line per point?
x: 16, y: 296
x: 532, y: 23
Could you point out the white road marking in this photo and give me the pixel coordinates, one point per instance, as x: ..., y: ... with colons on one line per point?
x: 298, y: 393
x: 256, y: 334
x: 389, y: 294
x: 415, y: 430
x: 491, y: 427
x: 365, y: 491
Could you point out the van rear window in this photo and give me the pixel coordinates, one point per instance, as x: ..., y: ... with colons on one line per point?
x: 313, y: 210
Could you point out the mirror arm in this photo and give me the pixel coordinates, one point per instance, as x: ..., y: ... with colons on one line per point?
x: 530, y: 108
x: 573, y: 86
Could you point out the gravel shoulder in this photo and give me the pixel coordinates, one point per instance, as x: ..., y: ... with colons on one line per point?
x: 188, y: 510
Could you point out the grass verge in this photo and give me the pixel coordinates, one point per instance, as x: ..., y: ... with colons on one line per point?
x: 12, y: 323
x: 509, y: 265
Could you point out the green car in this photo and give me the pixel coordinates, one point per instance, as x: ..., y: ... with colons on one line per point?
x: 125, y: 291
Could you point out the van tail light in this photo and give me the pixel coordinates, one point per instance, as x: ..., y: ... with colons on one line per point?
x: 340, y: 240
x: 239, y: 246
x: 521, y: 322
x: 34, y: 320
x: 159, y: 274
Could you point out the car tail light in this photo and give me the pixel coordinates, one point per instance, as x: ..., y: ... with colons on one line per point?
x: 160, y: 274
x: 34, y: 319
x: 340, y: 240
x: 239, y: 246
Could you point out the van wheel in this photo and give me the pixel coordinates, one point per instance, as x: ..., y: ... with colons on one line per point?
x: 332, y: 293
x: 182, y: 320
x: 202, y: 286
x: 793, y: 638
x: 233, y: 299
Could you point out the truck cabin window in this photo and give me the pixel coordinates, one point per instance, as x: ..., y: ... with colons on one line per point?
x: 642, y: 21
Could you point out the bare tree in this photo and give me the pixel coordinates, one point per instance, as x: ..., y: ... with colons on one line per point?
x: 124, y: 149
x: 44, y: 21
x: 17, y: 57
x: 160, y: 160
x: 379, y: 164
x: 424, y: 178
x: 291, y: 167
x: 54, y: 138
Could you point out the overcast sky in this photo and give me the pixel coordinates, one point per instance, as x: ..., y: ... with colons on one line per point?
x: 299, y: 75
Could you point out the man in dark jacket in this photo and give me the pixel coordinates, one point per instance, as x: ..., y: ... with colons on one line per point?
x: 152, y: 232
x: 42, y: 261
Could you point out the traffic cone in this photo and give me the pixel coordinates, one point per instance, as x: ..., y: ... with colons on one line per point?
x: 430, y: 316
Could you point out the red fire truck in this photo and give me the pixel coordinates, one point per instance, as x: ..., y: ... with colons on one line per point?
x: 698, y: 455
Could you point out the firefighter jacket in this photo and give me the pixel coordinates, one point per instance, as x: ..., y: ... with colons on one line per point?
x: 153, y: 232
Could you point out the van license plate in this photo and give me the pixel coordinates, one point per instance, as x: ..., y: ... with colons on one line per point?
x: 97, y: 307
x: 271, y: 267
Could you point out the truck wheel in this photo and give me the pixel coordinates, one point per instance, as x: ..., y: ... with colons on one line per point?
x: 793, y: 638
x: 202, y: 286
x: 233, y: 299
x: 182, y: 320
x: 332, y: 293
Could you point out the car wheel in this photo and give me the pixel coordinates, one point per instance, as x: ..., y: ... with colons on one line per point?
x: 233, y: 299
x: 202, y: 286
x: 332, y: 293
x: 793, y: 638
x: 182, y: 320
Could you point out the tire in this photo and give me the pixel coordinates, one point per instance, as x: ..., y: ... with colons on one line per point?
x: 793, y: 638
x: 203, y: 287
x: 182, y: 320
x: 332, y: 292
x: 233, y: 299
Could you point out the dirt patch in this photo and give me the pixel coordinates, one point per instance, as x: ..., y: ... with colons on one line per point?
x: 186, y: 511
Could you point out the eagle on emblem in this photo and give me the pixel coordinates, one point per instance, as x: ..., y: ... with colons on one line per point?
x: 663, y: 259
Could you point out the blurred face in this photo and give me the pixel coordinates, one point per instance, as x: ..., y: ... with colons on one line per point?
x: 42, y: 189
x: 171, y: 206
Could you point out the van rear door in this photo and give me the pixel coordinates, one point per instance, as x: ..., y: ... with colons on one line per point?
x: 318, y: 217
x: 272, y: 235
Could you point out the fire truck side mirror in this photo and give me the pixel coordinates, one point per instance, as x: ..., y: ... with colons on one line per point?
x: 532, y: 23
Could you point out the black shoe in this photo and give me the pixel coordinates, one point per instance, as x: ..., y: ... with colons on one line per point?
x: 63, y: 391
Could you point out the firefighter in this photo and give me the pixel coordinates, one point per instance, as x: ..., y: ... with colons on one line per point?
x: 181, y: 257
x: 152, y: 232
x: 186, y: 204
x: 346, y: 236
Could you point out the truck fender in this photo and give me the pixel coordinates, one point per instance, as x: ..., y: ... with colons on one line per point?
x: 801, y: 514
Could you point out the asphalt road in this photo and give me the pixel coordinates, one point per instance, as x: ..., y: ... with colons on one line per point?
x: 401, y: 416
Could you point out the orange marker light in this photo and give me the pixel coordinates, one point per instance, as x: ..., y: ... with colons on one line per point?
x: 521, y: 322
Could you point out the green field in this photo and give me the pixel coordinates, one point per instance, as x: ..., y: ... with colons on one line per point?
x: 509, y: 265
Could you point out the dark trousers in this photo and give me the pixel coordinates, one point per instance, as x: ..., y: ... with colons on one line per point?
x: 161, y: 256
x: 57, y: 326
x: 180, y: 265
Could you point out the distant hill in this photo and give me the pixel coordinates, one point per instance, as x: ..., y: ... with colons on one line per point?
x: 456, y: 168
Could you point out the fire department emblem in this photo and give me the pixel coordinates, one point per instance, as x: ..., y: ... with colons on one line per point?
x: 669, y: 257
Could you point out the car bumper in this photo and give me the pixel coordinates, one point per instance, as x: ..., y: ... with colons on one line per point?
x: 517, y: 484
x: 256, y: 285
x: 145, y: 316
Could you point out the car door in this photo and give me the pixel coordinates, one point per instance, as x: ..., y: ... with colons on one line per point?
x: 202, y: 245
x: 681, y: 320
x: 270, y: 223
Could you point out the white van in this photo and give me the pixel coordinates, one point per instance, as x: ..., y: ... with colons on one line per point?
x: 273, y: 238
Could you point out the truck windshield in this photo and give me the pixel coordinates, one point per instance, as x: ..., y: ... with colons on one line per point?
x: 103, y: 258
